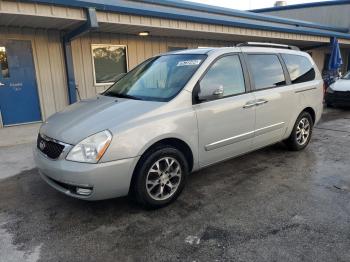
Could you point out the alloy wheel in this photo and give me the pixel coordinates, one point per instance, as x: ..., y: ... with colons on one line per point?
x: 163, y: 178
x: 303, y: 131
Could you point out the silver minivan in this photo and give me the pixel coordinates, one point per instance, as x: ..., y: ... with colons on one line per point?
x: 176, y: 113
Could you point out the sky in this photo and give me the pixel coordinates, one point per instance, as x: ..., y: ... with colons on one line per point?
x: 249, y: 4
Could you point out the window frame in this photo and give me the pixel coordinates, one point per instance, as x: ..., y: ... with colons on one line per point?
x: 93, y: 62
x: 247, y: 81
x: 2, y: 77
x: 250, y: 71
x: 291, y: 83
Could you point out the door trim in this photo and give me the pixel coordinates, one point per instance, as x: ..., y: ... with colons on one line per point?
x: 244, y: 136
x: 229, y: 141
x: 304, y: 90
x: 269, y: 128
x: 1, y: 123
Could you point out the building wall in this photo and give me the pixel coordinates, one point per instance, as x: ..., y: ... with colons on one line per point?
x: 49, y: 66
x: 319, y: 56
x: 49, y: 59
x: 138, y: 50
x: 345, y: 56
x: 336, y: 15
x: 129, y: 24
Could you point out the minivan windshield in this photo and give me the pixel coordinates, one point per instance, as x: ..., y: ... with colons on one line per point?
x: 346, y: 76
x: 157, y: 79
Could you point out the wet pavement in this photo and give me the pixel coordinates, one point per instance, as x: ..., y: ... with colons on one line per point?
x: 270, y: 205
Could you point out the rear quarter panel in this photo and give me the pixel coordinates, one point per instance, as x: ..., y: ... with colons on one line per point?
x: 309, y: 94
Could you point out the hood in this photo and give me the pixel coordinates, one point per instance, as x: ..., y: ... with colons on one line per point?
x: 341, y: 85
x: 91, y: 116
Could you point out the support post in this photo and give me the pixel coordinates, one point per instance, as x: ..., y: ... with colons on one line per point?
x: 72, y: 93
x: 90, y: 24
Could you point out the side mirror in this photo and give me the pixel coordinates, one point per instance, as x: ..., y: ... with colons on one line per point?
x: 209, y: 93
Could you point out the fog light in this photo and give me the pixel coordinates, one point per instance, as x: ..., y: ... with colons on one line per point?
x: 84, y: 191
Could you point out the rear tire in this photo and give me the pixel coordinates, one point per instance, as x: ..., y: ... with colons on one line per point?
x: 160, y: 177
x: 301, y: 134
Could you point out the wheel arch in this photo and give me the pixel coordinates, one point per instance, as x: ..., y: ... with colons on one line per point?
x: 178, y: 143
x: 311, y: 111
x: 291, y: 124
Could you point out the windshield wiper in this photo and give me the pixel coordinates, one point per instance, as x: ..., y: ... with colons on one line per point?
x: 123, y: 96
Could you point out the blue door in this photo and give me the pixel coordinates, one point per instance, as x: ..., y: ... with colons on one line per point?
x: 19, y: 101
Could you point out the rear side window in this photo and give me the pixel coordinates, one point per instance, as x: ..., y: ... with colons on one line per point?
x: 300, y: 68
x: 266, y: 70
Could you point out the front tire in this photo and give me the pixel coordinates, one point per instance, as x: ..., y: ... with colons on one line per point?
x: 301, y: 134
x: 160, y: 177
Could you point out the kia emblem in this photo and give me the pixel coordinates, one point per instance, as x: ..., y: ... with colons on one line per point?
x: 42, y: 145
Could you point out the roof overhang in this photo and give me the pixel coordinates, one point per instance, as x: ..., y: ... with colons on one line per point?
x: 164, y: 18
x: 36, y: 15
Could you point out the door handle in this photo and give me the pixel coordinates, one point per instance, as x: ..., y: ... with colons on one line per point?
x: 260, y: 102
x: 249, y: 104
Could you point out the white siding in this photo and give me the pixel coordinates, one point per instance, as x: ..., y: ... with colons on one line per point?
x: 335, y: 15
x: 139, y: 49
x: 131, y: 23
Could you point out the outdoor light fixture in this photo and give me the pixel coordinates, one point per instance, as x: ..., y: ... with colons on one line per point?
x: 144, y: 33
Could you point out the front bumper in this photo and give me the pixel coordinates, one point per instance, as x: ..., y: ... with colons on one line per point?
x: 105, y: 180
x: 338, y: 99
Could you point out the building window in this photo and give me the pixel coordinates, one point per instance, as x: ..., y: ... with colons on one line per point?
x: 267, y: 71
x: 4, y: 66
x: 300, y: 68
x: 109, y: 62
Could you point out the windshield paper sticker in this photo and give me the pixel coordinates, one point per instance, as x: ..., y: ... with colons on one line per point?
x: 189, y: 62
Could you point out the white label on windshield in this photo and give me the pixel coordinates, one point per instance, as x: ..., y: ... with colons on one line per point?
x: 189, y: 63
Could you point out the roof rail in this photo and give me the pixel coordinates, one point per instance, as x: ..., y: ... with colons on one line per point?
x: 263, y: 44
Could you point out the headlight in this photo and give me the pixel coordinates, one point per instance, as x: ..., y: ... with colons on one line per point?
x: 330, y: 90
x: 91, y: 149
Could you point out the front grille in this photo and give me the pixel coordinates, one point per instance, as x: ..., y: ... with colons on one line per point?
x: 341, y: 94
x: 50, y: 148
x: 338, y: 98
